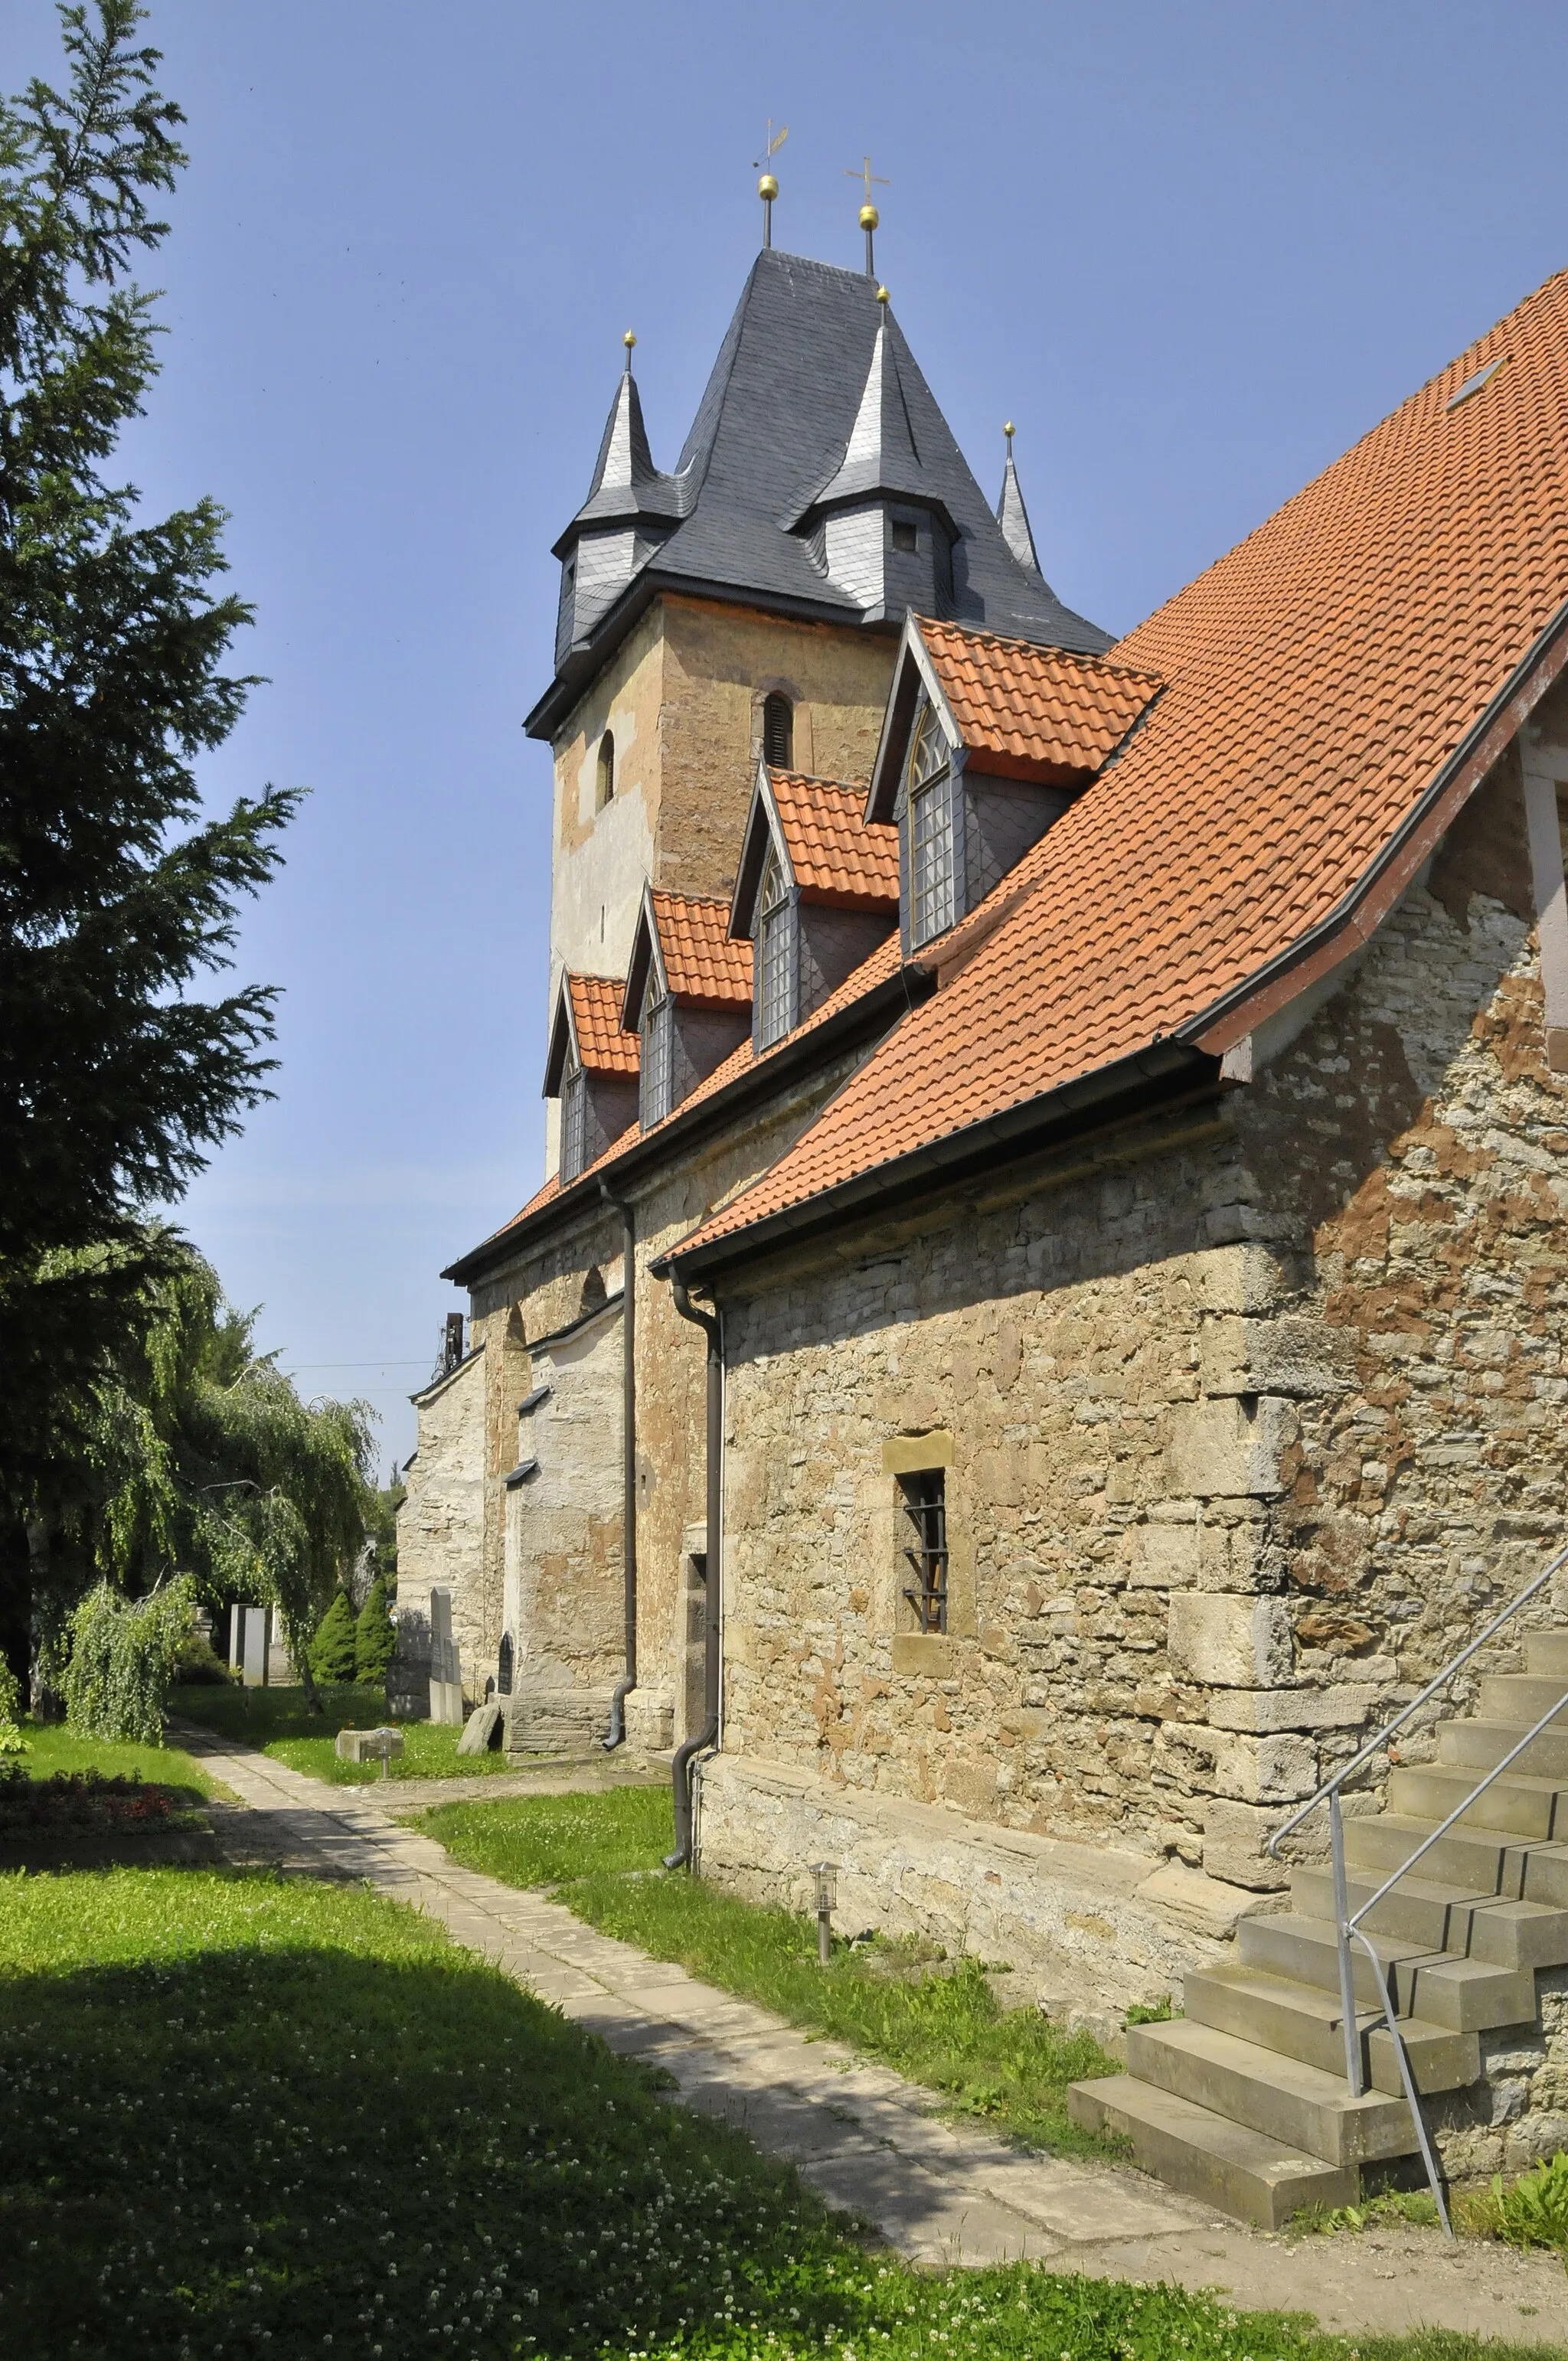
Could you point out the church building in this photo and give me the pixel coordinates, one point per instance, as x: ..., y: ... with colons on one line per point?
x: 1045, y: 1323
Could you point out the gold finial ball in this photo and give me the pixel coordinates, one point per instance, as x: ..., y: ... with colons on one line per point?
x: 882, y: 296
x: 628, y: 339
x: 870, y: 217
x: 767, y: 188
x: 1008, y: 430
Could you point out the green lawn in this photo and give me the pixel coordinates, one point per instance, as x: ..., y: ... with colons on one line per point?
x: 51, y: 1747
x: 280, y: 1722
x: 238, y: 2112
x: 936, y: 2021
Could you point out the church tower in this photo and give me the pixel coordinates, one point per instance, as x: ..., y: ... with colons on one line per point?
x: 746, y: 605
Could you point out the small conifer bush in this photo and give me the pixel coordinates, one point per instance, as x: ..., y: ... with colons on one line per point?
x: 331, y: 1650
x: 374, y: 1637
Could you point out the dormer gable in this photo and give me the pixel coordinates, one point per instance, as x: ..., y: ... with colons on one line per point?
x: 687, y: 996
x: 592, y: 1068
x: 816, y: 893
x: 985, y: 743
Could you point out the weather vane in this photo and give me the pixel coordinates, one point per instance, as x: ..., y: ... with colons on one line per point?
x: 767, y: 187
x: 869, y: 214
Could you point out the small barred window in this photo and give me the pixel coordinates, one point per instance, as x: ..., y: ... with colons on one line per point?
x: 574, y: 1123
x: 931, y: 868
x: 658, y: 1061
x: 923, y: 1500
x: 775, y: 954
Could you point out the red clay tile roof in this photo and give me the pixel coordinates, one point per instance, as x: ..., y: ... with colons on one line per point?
x: 701, y: 963
x: 603, y: 1048
x: 836, y: 855
x: 1038, y: 709
x: 1321, y: 676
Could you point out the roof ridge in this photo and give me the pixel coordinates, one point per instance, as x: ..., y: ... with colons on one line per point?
x: 817, y: 779
x: 1044, y: 647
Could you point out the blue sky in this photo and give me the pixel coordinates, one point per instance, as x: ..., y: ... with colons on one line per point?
x: 1193, y: 251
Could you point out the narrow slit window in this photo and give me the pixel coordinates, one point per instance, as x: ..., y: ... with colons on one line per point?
x: 775, y: 931
x: 931, y: 869
x: 923, y: 1543
x: 778, y: 732
x: 658, y: 1061
x: 574, y: 1123
x: 605, y: 788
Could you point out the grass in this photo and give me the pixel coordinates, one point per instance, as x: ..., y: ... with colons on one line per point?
x: 238, y: 2113
x: 935, y: 2020
x: 1529, y: 2211
x: 281, y: 1723
x: 51, y: 1747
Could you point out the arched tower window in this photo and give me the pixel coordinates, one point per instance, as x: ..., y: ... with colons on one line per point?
x: 778, y: 732
x: 605, y: 788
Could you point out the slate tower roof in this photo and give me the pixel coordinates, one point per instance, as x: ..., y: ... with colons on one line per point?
x: 815, y: 398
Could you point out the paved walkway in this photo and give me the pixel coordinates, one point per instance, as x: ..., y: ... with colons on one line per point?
x: 865, y: 2138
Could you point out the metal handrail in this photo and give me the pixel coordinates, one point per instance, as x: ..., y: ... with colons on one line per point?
x: 1348, y: 1925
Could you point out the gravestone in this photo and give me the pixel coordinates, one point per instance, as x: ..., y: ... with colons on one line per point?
x: 481, y: 1730
x: 381, y: 1746
x: 445, y: 1674
x: 254, y: 1647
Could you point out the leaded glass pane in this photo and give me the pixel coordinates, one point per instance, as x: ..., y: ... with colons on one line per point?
x: 658, y: 1062
x: 775, y: 945
x: 931, y: 859
x: 574, y: 1123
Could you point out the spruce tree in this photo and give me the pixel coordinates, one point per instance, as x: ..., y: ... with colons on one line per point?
x: 116, y: 895
x: 374, y: 1637
x: 331, y: 1650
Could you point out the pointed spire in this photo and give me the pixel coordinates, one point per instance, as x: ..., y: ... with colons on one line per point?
x: 1013, y: 516
x: 626, y: 484
x: 881, y: 455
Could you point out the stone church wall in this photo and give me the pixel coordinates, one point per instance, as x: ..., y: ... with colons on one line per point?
x: 441, y: 1532
x: 1249, y: 1415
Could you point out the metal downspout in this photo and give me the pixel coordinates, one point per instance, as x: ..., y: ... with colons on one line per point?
x: 711, y: 1326
x: 624, y: 1688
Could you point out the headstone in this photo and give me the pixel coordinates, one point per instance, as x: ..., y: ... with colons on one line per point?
x: 254, y: 1647
x: 480, y: 1731
x: 445, y: 1674
x: 236, y: 1640
x: 370, y: 1745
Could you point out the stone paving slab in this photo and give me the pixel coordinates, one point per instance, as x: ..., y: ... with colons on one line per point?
x: 868, y: 2141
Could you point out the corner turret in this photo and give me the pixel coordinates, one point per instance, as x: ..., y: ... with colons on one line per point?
x: 631, y: 508
x: 1013, y: 516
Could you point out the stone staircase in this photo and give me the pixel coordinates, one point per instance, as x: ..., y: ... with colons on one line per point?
x: 1243, y: 2101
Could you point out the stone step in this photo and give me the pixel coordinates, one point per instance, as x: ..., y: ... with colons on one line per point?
x: 1466, y: 1995
x: 1520, y: 1697
x: 1278, y: 2096
x: 1302, y: 2021
x: 1477, y: 1859
x: 1515, y: 1802
x: 1445, y: 1918
x: 1478, y: 1745
x: 1546, y: 1652
x: 1237, y: 2170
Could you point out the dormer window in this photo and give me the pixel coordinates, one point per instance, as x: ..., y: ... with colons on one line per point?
x: 778, y: 732
x: 574, y: 1123
x: 775, y: 954
x: 604, y: 788
x: 931, y: 864
x: 658, y: 1059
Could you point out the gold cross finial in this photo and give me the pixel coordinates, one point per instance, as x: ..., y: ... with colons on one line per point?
x: 869, y: 214
x: 767, y: 187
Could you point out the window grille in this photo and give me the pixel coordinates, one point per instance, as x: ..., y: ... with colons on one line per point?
x: 924, y: 1541
x: 658, y: 1061
x: 778, y: 732
x: 605, y: 789
x: 931, y: 865
x: 775, y: 963
x: 574, y: 1123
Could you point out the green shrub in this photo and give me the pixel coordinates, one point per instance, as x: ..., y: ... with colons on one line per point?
x: 331, y: 1650
x: 125, y: 1657
x: 11, y: 1738
x: 1534, y: 2212
x: 199, y: 1662
x: 374, y: 1637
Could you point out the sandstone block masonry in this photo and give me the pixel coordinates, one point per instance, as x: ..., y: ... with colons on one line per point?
x: 1253, y: 1410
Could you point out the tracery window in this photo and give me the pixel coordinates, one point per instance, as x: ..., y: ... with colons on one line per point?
x: 778, y: 732
x: 658, y: 1059
x: 775, y: 954
x: 574, y: 1123
x: 931, y: 864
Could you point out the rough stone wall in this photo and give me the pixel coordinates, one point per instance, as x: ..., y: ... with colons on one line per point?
x: 1253, y: 1410
x: 440, y: 1526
